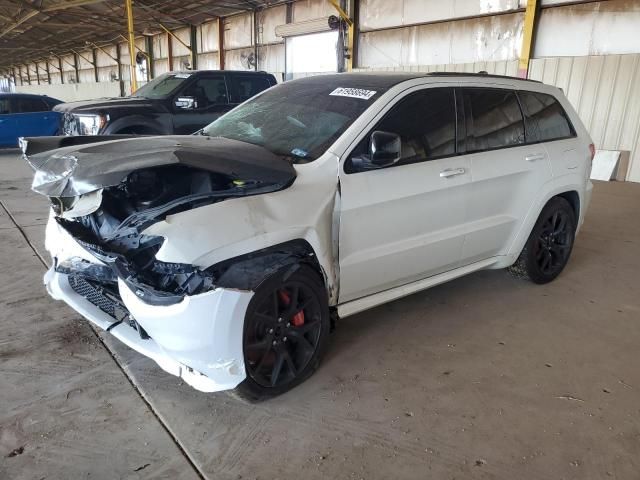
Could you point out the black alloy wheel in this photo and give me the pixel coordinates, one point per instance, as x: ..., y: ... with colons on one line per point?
x: 553, y: 245
x: 549, y: 245
x: 285, y: 333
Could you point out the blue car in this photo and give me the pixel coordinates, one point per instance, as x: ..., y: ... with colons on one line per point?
x: 25, y: 115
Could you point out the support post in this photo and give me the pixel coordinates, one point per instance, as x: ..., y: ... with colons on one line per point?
x: 132, y: 49
x: 350, y: 32
x: 531, y: 16
x: 75, y: 65
x: 94, y: 55
x: 194, y: 47
x: 169, y: 52
x: 37, y: 73
x: 121, y: 83
x: 60, y: 69
x: 256, y: 28
x: 150, y: 58
x: 46, y: 66
x: 28, y: 73
x: 221, y: 43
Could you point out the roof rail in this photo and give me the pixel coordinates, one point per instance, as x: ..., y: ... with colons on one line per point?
x: 482, y: 74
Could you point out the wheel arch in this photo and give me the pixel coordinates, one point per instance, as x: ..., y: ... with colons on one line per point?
x: 560, y: 187
x: 129, y: 123
x: 573, y: 198
x: 249, y: 270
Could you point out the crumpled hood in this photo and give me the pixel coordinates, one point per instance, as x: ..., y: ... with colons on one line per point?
x: 79, y: 169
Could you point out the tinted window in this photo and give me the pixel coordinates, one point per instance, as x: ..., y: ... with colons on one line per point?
x: 545, y: 117
x: 243, y: 87
x: 426, y: 123
x: 162, y: 86
x: 5, y: 108
x: 493, y: 119
x: 26, y: 105
x: 207, y: 91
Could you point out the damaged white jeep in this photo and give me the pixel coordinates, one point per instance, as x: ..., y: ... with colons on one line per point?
x: 225, y: 255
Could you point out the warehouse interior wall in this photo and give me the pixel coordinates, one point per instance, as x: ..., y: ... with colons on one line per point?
x: 590, y: 49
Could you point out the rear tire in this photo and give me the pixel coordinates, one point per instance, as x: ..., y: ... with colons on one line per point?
x: 286, y: 332
x: 549, y: 245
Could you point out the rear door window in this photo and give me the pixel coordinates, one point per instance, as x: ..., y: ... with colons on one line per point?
x: 28, y: 105
x: 545, y: 118
x: 243, y: 87
x: 493, y: 119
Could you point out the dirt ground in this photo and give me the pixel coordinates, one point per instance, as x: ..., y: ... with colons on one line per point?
x: 483, y: 377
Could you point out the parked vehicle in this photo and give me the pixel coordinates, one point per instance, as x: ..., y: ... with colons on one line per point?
x: 25, y: 115
x: 226, y: 256
x: 173, y: 103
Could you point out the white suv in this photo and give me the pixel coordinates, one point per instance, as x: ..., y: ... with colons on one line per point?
x: 226, y: 255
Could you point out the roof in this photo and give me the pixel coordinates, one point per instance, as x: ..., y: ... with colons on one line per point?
x: 35, y: 30
x: 386, y: 80
x: 35, y: 95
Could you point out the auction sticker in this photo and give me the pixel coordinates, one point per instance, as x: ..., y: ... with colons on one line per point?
x: 353, y: 93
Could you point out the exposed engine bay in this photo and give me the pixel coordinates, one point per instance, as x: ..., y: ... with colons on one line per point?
x: 109, y: 219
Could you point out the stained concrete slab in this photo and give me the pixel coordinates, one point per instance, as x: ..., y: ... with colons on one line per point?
x: 68, y: 411
x: 483, y: 377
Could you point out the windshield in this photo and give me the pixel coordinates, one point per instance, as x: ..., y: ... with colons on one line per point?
x: 162, y: 86
x: 298, y: 120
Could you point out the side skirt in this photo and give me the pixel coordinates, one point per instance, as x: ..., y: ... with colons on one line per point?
x: 370, y: 301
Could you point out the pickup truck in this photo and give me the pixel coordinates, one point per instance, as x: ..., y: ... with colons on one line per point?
x: 172, y: 103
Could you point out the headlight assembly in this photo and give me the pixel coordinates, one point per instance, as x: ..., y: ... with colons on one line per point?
x: 91, y: 124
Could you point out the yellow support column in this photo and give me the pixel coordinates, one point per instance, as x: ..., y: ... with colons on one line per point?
x: 132, y: 50
x: 350, y: 32
x: 530, y: 20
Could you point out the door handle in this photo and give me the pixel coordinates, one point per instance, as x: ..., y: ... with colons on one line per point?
x: 451, y: 172
x: 534, y: 156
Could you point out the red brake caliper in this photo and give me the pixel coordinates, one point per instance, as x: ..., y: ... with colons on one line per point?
x: 298, y: 318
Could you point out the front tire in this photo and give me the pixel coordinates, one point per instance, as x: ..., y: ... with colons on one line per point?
x: 286, y: 331
x: 549, y: 245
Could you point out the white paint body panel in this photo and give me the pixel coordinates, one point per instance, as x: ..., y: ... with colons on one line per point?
x: 377, y: 235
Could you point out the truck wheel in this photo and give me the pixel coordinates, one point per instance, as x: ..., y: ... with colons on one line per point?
x: 286, y: 331
x: 549, y: 245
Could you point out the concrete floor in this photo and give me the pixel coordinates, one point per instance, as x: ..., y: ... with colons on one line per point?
x: 483, y: 377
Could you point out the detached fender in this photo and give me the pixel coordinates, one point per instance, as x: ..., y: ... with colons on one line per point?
x: 159, y: 123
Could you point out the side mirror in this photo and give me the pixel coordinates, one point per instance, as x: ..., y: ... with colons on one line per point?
x: 384, y: 148
x: 186, y: 103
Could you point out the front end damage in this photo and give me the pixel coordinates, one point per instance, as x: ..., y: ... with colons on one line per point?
x: 104, y: 197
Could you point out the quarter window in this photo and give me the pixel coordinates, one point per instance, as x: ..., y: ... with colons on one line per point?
x: 426, y: 123
x: 493, y: 119
x: 546, y: 119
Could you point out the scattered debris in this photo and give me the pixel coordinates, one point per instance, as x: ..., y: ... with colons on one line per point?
x: 16, y: 451
x: 480, y: 462
x: 570, y: 397
x: 606, y: 390
x: 575, y: 463
x: 142, y: 467
x: 621, y: 382
x: 501, y: 343
x: 408, y: 414
x: 447, y: 372
x: 548, y: 365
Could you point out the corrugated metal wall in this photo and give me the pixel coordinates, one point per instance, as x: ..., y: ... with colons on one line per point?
x: 605, y: 91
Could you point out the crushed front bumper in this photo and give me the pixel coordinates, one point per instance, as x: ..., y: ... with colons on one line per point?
x: 198, y: 339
